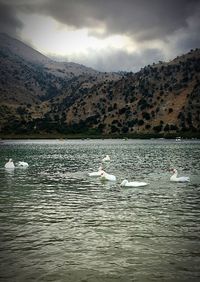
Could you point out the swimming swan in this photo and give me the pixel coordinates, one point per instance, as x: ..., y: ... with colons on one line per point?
x: 174, y: 177
x: 106, y: 176
x: 10, y: 164
x: 133, y: 183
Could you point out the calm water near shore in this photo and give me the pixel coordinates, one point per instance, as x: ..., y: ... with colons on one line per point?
x: 59, y: 224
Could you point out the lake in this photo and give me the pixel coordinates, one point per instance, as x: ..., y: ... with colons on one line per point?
x: 59, y: 224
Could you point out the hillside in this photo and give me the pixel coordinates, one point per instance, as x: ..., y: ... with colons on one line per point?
x: 29, y: 79
x: 40, y: 96
x: 18, y: 50
x: 162, y: 98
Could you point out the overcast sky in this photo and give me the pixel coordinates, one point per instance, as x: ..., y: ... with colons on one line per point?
x: 108, y: 35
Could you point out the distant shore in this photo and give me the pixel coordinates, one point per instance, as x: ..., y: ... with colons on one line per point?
x: 186, y: 135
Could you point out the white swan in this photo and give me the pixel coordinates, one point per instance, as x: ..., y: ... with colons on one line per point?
x: 22, y: 164
x: 107, y: 158
x: 174, y: 177
x: 106, y: 176
x: 96, y: 173
x: 10, y: 164
x: 133, y: 183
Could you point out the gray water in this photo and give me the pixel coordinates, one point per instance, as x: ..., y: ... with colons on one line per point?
x: 58, y: 224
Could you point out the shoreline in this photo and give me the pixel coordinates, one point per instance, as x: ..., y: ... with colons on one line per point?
x: 54, y: 136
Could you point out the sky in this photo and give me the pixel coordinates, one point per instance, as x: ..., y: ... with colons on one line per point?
x: 107, y: 35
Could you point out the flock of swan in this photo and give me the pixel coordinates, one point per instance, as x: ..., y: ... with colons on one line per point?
x: 106, y: 176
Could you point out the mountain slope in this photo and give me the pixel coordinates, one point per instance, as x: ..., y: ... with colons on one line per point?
x: 17, y: 49
x: 163, y: 98
x: 39, y: 95
x: 29, y: 80
x: 28, y: 77
x: 14, y: 46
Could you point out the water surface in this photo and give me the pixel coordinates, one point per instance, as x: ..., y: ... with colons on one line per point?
x: 58, y: 224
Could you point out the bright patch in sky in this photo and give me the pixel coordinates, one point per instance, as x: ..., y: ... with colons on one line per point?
x: 50, y: 37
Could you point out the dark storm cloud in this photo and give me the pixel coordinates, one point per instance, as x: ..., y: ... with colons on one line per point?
x: 141, y: 19
x: 189, y: 38
x: 173, y: 24
x: 9, y: 23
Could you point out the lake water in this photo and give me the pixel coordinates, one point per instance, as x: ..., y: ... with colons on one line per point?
x: 58, y: 224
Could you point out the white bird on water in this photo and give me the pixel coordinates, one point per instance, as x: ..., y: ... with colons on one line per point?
x: 10, y: 164
x: 174, y: 177
x: 22, y: 164
x: 107, y: 158
x: 106, y: 176
x: 133, y: 183
x: 96, y: 173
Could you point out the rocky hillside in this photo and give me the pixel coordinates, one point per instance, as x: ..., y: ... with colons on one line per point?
x: 18, y: 50
x: 28, y: 77
x: 29, y: 80
x: 161, y: 98
x: 41, y: 96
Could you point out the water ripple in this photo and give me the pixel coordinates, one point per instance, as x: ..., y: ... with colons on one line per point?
x: 58, y: 224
